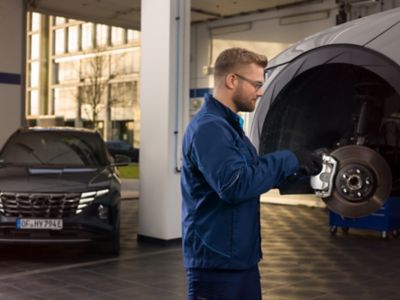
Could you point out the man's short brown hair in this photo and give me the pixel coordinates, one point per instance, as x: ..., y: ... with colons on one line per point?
x: 230, y: 58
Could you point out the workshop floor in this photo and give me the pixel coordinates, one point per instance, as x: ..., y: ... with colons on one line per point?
x: 301, y: 261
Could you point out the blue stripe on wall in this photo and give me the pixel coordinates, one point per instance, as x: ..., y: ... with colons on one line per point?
x: 10, y: 78
x: 199, y: 93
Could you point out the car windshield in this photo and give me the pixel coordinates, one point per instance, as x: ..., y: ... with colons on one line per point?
x: 65, y: 149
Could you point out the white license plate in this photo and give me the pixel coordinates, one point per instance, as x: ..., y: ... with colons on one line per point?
x: 53, y: 224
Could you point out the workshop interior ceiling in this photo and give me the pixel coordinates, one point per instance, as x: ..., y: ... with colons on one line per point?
x: 126, y: 13
x: 205, y: 10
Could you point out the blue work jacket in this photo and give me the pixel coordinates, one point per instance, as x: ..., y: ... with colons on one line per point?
x: 222, y: 178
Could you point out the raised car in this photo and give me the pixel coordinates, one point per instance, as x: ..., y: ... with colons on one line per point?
x: 338, y: 91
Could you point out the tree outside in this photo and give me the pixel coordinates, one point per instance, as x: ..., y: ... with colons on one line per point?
x: 100, y: 90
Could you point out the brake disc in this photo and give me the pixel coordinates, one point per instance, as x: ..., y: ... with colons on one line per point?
x: 362, y: 184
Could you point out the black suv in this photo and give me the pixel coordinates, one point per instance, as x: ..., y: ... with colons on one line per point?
x: 58, y: 185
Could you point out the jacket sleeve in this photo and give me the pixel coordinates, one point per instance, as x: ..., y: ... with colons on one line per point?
x: 223, y: 165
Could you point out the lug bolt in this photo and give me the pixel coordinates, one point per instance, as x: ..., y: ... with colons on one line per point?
x: 344, y: 191
x: 358, y: 171
x: 367, y: 182
x: 344, y: 176
x: 359, y: 194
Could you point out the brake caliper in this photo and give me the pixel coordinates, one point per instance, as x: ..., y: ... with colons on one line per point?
x: 322, y: 183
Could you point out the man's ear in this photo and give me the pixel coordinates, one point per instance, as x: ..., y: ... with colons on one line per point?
x: 230, y: 80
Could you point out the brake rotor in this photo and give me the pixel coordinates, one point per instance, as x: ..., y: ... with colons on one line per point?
x: 363, y: 182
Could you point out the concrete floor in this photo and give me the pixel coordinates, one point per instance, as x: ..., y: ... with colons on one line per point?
x: 301, y: 261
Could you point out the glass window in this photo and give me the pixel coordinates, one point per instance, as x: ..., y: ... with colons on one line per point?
x: 123, y: 93
x: 55, y: 72
x: 123, y: 100
x: 35, y: 46
x: 117, y: 35
x: 34, y: 102
x: 59, y: 20
x: 35, y: 21
x: 95, y: 67
x: 87, y: 36
x: 126, y: 63
x: 101, y: 35
x: 133, y: 35
x: 93, y: 96
x: 122, y: 63
x: 73, y: 41
x: 59, y: 41
x: 34, y: 74
x: 136, y: 60
x: 68, y: 70
x: 65, y: 102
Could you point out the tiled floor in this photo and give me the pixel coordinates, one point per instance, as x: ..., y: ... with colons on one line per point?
x: 301, y: 261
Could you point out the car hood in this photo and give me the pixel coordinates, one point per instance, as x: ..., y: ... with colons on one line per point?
x: 60, y: 180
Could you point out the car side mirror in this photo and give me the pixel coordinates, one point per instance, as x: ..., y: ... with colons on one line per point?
x: 121, y: 160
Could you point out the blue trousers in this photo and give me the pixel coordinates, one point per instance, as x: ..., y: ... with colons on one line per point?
x: 205, y: 284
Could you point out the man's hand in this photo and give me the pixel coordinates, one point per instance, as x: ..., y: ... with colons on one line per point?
x: 310, y: 163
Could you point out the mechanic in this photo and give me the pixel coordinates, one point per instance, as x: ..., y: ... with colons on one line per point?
x: 221, y: 180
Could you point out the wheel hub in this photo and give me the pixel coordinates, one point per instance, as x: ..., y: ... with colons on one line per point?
x: 355, y: 182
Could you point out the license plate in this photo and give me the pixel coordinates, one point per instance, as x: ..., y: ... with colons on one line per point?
x: 53, y: 224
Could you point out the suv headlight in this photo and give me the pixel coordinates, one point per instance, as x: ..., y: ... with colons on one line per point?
x: 88, y: 197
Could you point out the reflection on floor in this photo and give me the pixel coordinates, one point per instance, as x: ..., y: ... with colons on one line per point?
x: 301, y: 261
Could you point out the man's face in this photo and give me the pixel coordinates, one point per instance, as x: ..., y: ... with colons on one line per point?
x: 248, y: 88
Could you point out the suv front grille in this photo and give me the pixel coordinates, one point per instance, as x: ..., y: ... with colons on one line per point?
x: 40, y: 205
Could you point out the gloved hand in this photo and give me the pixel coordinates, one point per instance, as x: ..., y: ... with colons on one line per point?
x: 310, y: 163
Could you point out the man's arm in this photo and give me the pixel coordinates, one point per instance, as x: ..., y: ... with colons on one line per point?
x: 227, y: 170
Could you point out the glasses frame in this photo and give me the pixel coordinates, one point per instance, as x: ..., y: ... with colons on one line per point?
x: 256, y: 84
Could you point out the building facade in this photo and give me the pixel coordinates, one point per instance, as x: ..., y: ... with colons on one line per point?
x: 83, y: 74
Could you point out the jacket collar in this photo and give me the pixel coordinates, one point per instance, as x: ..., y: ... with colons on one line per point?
x: 213, y: 106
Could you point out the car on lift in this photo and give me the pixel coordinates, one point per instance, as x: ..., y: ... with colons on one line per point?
x: 58, y: 185
x: 339, y: 90
x: 116, y: 147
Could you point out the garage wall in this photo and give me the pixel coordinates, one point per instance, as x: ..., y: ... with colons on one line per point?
x: 12, y: 24
x: 268, y: 33
x: 12, y: 37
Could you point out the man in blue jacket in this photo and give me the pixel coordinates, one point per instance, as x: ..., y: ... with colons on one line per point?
x: 222, y: 179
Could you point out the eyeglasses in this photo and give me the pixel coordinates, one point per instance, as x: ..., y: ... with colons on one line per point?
x: 256, y: 84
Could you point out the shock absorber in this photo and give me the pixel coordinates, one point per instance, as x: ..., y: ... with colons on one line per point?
x: 361, y: 128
